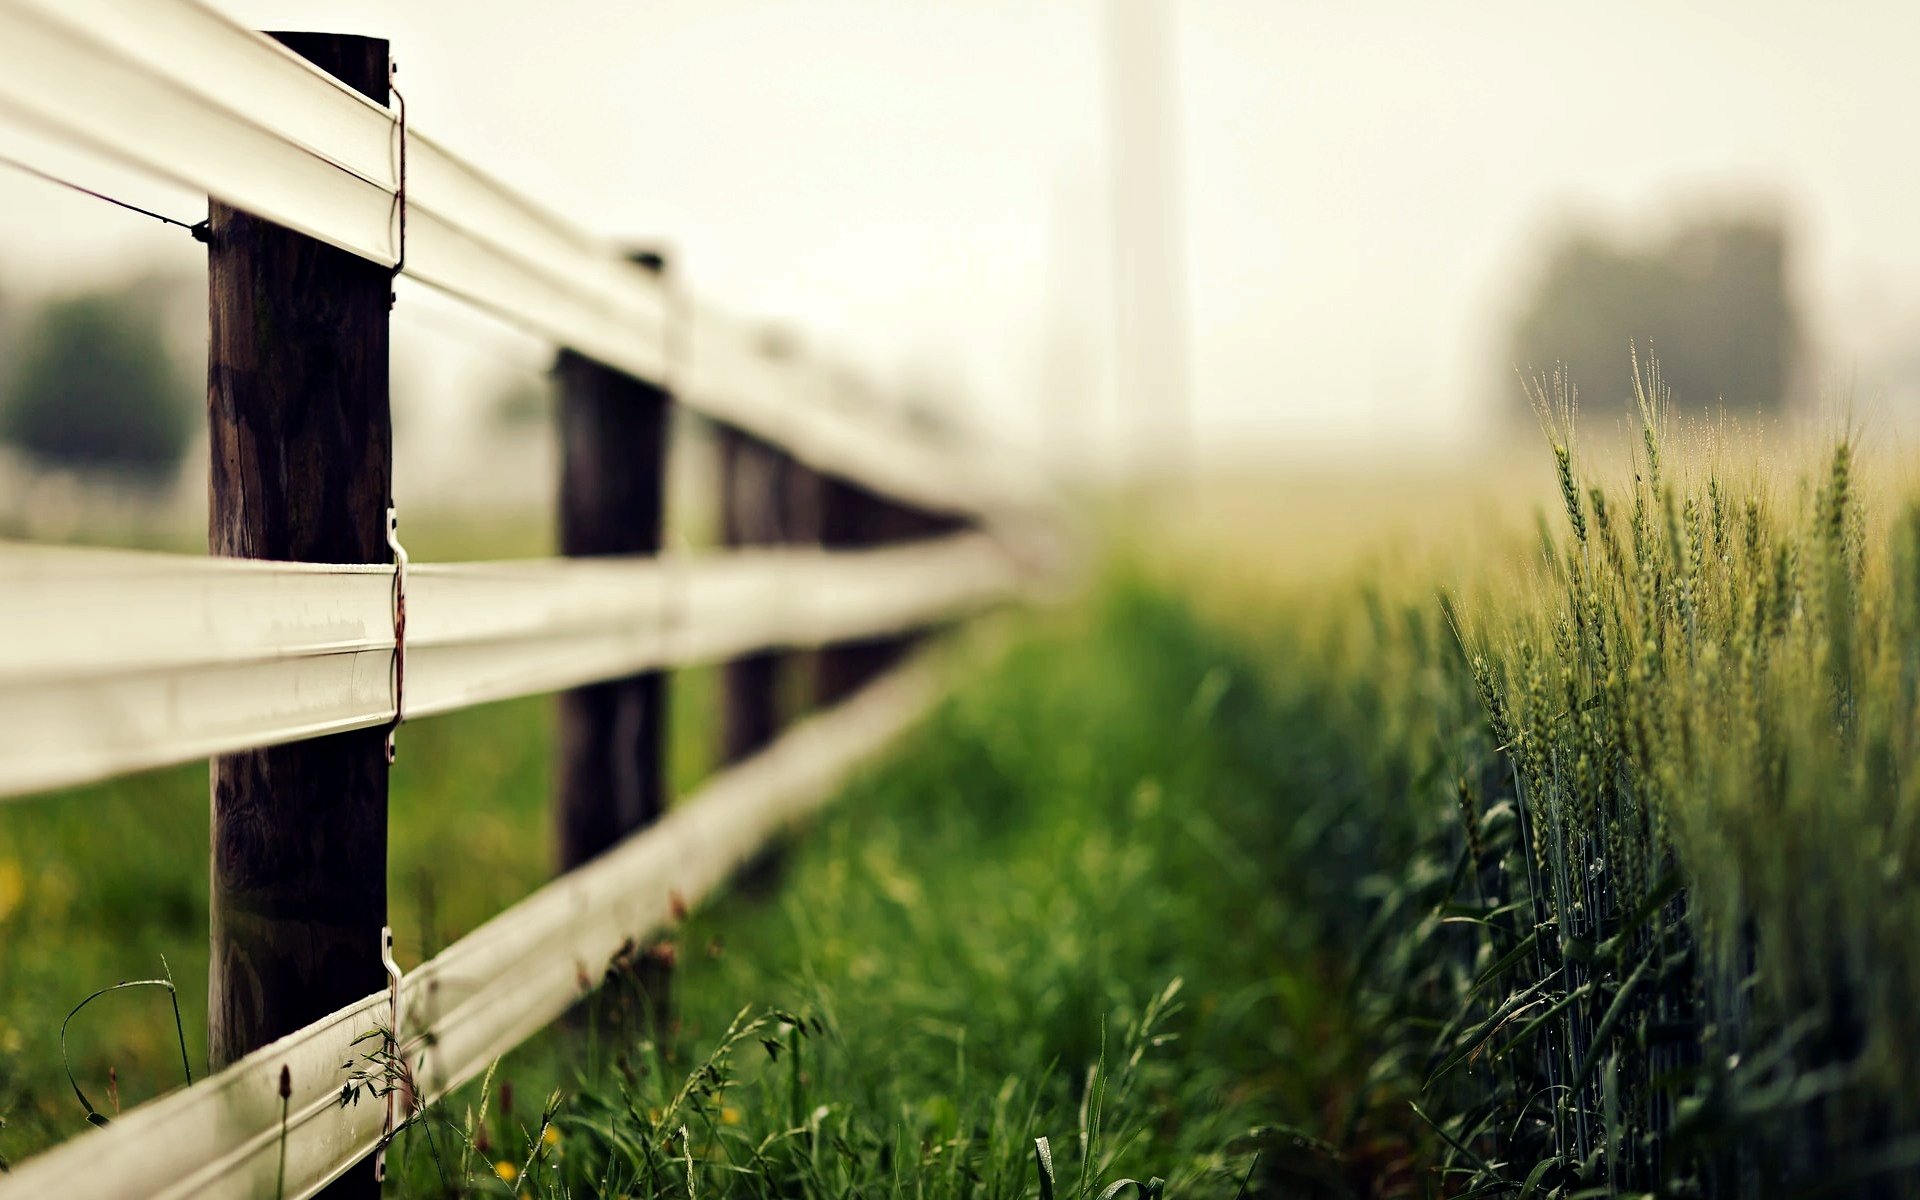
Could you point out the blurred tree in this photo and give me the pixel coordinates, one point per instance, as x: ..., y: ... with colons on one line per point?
x: 1713, y: 303
x: 94, y: 388
x: 522, y: 402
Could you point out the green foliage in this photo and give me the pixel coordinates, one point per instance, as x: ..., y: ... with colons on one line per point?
x: 1714, y: 301
x: 1047, y: 915
x: 95, y: 389
x: 1600, y: 882
x: 523, y: 402
x: 1643, y: 901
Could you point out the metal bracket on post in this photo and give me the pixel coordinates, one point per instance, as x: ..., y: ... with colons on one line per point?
x: 398, y: 1082
x: 400, y: 182
x: 399, y: 627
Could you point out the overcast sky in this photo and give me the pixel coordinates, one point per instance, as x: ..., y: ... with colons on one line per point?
x: 921, y: 184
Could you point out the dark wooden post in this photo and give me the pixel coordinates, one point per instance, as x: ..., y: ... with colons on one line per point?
x: 852, y: 516
x: 613, y: 457
x: 302, y: 470
x: 753, y: 512
x: 757, y: 508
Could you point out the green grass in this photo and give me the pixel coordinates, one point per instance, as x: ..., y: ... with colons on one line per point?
x: 1050, y: 913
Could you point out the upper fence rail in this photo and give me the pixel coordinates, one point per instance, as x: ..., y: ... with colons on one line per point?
x: 176, y: 90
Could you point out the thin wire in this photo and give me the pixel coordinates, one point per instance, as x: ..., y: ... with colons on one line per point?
x: 198, y: 229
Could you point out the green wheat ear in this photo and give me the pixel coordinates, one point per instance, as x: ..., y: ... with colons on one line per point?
x: 1555, y: 403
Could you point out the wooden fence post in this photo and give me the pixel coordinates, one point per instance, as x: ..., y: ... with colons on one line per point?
x: 301, y: 469
x: 753, y: 512
x: 761, y: 504
x: 613, y: 458
x: 852, y: 516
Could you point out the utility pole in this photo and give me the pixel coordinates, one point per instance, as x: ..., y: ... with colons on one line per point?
x: 1149, y: 275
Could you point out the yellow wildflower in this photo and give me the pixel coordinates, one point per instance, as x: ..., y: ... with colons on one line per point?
x: 729, y: 1115
x: 13, y: 885
x: 506, y: 1171
x: 551, y: 1137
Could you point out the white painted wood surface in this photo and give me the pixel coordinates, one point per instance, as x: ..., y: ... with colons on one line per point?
x: 113, y: 661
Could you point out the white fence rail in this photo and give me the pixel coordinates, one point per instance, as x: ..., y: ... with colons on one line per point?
x: 115, y: 661
x: 476, y: 1000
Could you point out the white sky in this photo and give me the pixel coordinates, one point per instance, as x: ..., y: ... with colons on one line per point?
x: 919, y: 184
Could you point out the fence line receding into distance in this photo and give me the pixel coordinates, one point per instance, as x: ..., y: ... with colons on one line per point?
x: 848, y: 530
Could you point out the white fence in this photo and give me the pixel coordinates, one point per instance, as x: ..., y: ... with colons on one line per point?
x: 114, y: 661
x: 118, y: 661
x: 479, y: 998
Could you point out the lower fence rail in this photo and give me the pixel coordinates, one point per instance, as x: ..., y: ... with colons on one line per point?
x: 474, y: 1001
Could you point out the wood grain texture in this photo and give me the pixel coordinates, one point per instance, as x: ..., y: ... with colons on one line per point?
x: 612, y: 746
x: 302, y: 465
